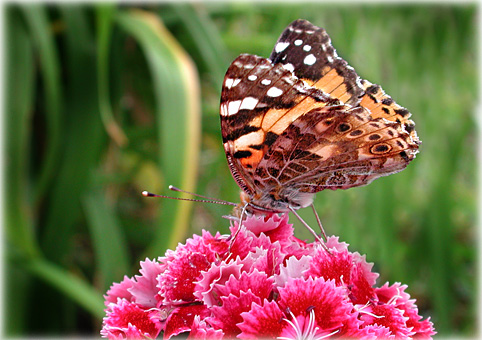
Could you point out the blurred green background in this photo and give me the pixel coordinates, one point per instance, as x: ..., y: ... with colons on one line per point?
x: 105, y: 101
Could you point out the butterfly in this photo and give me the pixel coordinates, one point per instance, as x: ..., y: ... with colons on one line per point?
x: 303, y: 121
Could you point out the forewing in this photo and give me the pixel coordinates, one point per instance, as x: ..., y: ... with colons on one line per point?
x: 259, y: 101
x: 307, y: 50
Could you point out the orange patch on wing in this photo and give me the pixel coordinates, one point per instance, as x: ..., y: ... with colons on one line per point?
x: 329, y: 81
x: 277, y: 123
x: 345, y: 97
x: 340, y: 91
x: 253, y: 160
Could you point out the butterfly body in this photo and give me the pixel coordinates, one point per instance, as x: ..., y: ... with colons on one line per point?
x: 302, y: 121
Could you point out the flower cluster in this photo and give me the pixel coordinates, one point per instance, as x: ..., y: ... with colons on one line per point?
x: 266, y: 284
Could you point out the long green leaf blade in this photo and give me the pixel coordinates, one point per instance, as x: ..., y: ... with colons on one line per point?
x: 19, y: 97
x: 109, y: 244
x: 104, y: 16
x: 37, y: 20
x: 178, y: 118
x: 205, y: 38
x: 72, y: 286
x: 83, y: 136
x: 19, y: 233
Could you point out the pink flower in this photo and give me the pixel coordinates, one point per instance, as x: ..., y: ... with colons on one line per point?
x: 126, y: 320
x: 265, y: 284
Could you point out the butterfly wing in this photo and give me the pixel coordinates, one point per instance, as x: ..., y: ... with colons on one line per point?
x: 307, y: 50
x: 303, y: 121
x: 335, y: 147
x: 259, y: 101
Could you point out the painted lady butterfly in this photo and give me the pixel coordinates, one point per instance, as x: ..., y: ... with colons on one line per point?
x: 302, y: 121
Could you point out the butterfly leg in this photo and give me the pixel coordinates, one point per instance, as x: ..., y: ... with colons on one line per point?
x: 239, y: 227
x: 319, y: 222
x: 310, y: 229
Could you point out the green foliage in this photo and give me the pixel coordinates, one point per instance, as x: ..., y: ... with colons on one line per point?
x: 103, y: 102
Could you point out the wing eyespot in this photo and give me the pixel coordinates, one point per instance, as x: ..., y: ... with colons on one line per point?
x: 343, y: 127
x: 380, y: 149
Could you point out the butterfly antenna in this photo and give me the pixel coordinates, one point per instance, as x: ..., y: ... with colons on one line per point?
x: 150, y: 194
x: 319, y: 222
x: 173, y: 188
x: 310, y: 229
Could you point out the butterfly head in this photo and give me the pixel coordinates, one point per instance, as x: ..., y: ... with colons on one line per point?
x: 277, y: 200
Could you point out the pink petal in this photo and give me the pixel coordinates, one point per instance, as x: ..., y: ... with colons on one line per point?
x: 265, y: 259
x: 127, y: 320
x: 217, y: 275
x: 365, y: 268
x: 119, y: 290
x: 177, y: 283
x: 420, y: 329
x: 201, y: 330
x: 261, y: 321
x: 181, y: 319
x: 371, y: 332
x: 302, y: 327
x: 334, y: 243
x: 183, y: 267
x: 243, y: 243
x: 145, y: 290
x: 228, y: 315
x: 298, y: 248
x: 276, y: 227
x: 330, y: 303
x: 394, y: 294
x: 361, y: 290
x: 387, y: 316
x: 257, y: 282
x: 293, y: 268
x: 335, y: 266
x: 217, y: 244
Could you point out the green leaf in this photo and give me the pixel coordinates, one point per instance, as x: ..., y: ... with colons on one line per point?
x: 72, y: 286
x: 205, y: 38
x: 20, y: 95
x: 110, y: 248
x: 37, y: 20
x: 19, y: 217
x: 83, y: 140
x: 104, y: 16
x: 178, y: 118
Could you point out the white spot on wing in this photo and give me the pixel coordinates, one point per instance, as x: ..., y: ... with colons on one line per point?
x: 307, y: 48
x: 229, y: 83
x: 274, y: 92
x: 298, y: 42
x: 310, y: 59
x: 251, y: 138
x: 289, y: 67
x: 224, y: 110
x: 252, y: 77
x: 233, y: 107
x: 266, y: 81
x: 281, y: 46
x: 249, y: 103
